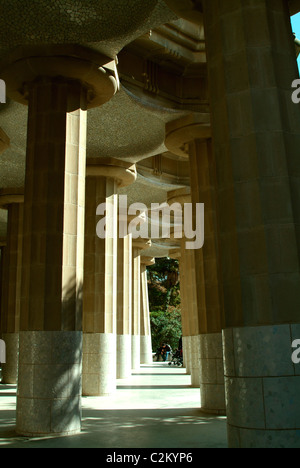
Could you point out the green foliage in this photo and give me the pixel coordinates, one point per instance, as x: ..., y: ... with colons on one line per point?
x: 164, y: 302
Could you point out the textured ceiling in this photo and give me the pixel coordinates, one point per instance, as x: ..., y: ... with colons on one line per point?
x: 109, y: 24
x: 124, y: 128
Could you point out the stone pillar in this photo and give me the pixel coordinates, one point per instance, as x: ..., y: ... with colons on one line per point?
x: 49, y: 381
x: 50, y: 81
x: 184, y: 317
x: 251, y: 63
x: 191, y: 312
x: 189, y: 294
x: 189, y: 137
x: 138, y: 245
x: 12, y: 200
x: 146, y: 341
x: 104, y: 176
x: 203, y: 187
x: 124, y: 307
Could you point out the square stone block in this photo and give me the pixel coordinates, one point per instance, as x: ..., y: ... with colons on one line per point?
x: 66, y: 415
x: 244, y: 402
x: 33, y: 417
x: 263, y: 351
x: 281, y: 396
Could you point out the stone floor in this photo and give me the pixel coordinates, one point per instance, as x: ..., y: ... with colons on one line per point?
x: 155, y: 408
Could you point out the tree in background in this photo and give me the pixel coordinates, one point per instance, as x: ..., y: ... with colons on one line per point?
x: 164, y: 302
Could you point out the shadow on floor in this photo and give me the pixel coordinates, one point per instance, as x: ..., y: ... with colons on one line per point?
x: 163, y: 428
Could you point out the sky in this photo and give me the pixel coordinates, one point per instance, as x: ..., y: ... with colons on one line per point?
x: 296, y: 29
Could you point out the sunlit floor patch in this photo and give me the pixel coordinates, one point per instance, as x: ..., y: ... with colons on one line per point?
x: 155, y: 408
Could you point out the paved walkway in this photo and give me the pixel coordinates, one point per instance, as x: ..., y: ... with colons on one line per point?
x: 155, y: 408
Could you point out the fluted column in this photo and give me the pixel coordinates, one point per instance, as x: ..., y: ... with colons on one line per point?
x: 104, y: 176
x: 189, y: 293
x: 58, y: 85
x: 189, y: 137
x: 124, y: 306
x: 12, y: 200
x: 203, y: 187
x: 138, y: 245
x: 49, y: 381
x: 146, y: 341
x: 256, y: 145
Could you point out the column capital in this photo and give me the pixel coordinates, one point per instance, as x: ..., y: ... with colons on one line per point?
x: 181, y: 196
x: 175, y: 254
x: 123, y: 172
x: 24, y: 65
x: 8, y: 196
x: 141, y: 244
x: 147, y: 261
x: 180, y: 132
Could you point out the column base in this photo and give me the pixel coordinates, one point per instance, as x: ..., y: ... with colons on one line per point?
x: 212, y: 386
x: 49, y: 384
x: 195, y: 361
x: 186, y: 345
x: 123, y: 356
x: 262, y: 387
x: 10, y: 368
x: 99, y: 364
x: 135, y: 352
x: 146, y: 349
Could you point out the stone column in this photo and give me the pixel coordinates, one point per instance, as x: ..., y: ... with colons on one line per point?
x: 138, y: 245
x: 104, y: 176
x: 49, y: 81
x: 184, y: 316
x: 12, y: 200
x: 251, y: 63
x: 189, y: 137
x: 190, y: 303
x: 124, y: 307
x: 203, y: 187
x: 189, y: 293
x: 146, y: 341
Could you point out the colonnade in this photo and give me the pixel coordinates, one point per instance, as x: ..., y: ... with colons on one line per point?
x: 240, y: 292
x: 60, y: 317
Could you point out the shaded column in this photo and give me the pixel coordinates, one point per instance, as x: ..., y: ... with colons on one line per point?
x: 124, y: 307
x: 203, y: 186
x: 189, y: 291
x: 146, y: 341
x: 12, y: 200
x: 188, y: 137
x: 104, y: 176
x: 138, y: 245
x: 49, y: 381
x: 50, y: 81
x: 256, y: 145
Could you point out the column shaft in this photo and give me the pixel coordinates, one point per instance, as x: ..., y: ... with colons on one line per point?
x: 136, y: 309
x: 49, y: 381
x: 256, y: 146
x: 124, y: 307
x: 146, y: 341
x: 100, y: 290
x: 208, y: 274
x: 11, y: 291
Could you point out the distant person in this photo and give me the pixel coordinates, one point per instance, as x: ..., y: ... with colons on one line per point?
x: 166, y: 350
